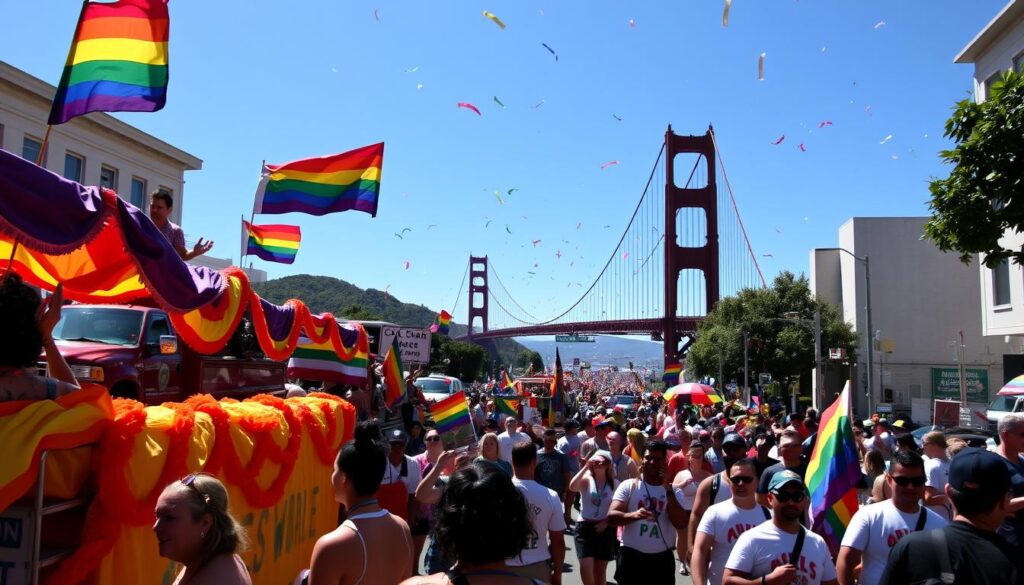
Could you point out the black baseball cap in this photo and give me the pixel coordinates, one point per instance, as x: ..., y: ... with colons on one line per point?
x: 733, y: 439
x: 978, y: 470
x: 396, y: 436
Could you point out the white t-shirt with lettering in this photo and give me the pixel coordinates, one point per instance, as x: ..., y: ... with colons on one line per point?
x: 647, y: 536
x: 937, y: 472
x: 546, y: 515
x: 875, y: 529
x: 725, y: 523
x: 763, y: 548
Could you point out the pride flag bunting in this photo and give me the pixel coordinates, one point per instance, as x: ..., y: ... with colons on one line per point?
x: 451, y: 412
x: 833, y: 472
x: 320, y: 361
x: 442, y: 323
x: 117, y: 61
x: 318, y: 186
x: 394, y: 380
x: 273, y: 243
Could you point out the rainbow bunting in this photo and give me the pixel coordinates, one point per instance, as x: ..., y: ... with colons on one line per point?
x: 556, y: 391
x: 320, y: 361
x: 509, y: 406
x: 273, y: 243
x: 117, y: 61
x: 451, y: 412
x: 442, y: 323
x: 671, y: 375
x: 318, y: 186
x: 833, y: 472
x: 393, y: 378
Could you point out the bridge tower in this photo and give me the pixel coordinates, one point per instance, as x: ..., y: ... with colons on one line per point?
x: 477, y: 284
x: 678, y: 258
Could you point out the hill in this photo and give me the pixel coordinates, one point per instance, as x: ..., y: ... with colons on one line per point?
x: 606, y: 350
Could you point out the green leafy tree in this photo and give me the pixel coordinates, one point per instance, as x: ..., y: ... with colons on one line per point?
x: 778, y: 344
x: 359, y: 313
x: 983, y: 196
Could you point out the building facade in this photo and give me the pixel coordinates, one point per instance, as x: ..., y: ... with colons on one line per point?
x: 922, y: 302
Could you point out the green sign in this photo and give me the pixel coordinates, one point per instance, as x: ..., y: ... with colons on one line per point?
x: 946, y: 384
x: 574, y: 339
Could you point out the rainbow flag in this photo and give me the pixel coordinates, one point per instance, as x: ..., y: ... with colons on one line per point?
x: 318, y: 186
x: 833, y: 472
x: 117, y: 61
x: 451, y: 412
x: 273, y: 243
x: 671, y: 375
x: 394, y: 379
x: 442, y: 323
x: 509, y: 406
x: 319, y: 361
x: 557, y: 398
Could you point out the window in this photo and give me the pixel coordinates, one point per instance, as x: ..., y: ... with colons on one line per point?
x: 73, y: 166
x: 157, y: 327
x: 108, y: 177
x: 30, y: 149
x: 1001, y: 284
x: 138, y: 198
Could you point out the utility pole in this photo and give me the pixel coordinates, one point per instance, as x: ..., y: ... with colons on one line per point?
x: 819, y: 377
x: 746, y: 356
x: 960, y: 354
x: 870, y: 332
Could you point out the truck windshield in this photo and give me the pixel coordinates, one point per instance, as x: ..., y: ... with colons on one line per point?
x: 102, y: 325
x: 433, y: 385
x: 1003, y: 403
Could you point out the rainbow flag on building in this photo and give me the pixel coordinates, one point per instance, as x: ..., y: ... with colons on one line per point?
x: 833, y: 472
x: 318, y: 186
x: 507, y: 406
x: 394, y: 379
x: 451, y: 412
x: 117, y: 61
x: 671, y: 375
x: 442, y: 323
x: 273, y: 243
x: 320, y: 361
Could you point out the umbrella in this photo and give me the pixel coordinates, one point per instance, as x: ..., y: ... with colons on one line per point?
x: 693, y: 393
x: 1014, y: 386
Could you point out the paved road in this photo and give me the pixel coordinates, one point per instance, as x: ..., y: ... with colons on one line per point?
x: 572, y: 577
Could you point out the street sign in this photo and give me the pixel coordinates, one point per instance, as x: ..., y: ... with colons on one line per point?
x: 883, y: 408
x: 837, y: 353
x: 575, y: 339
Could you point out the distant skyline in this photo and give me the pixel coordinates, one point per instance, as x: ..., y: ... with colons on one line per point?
x: 861, y: 92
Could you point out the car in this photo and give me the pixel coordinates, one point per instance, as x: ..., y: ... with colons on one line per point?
x: 437, y: 387
x: 627, y: 402
x: 981, y: 438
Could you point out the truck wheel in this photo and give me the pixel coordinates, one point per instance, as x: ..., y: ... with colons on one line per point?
x: 125, y: 390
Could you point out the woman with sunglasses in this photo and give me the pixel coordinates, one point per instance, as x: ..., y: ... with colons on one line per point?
x: 595, y: 539
x: 723, y: 523
x: 684, y: 485
x: 193, y: 528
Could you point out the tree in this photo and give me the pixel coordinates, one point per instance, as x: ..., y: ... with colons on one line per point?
x: 359, y: 313
x: 778, y: 344
x: 528, y: 360
x: 456, y: 358
x: 983, y: 196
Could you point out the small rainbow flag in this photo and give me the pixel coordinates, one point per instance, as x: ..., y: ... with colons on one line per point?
x: 117, y: 61
x: 318, y: 186
x: 509, y: 406
x: 833, y: 472
x: 451, y: 412
x: 273, y: 243
x: 442, y: 323
x: 394, y: 380
x: 671, y: 375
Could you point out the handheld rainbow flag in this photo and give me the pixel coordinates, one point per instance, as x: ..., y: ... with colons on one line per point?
x: 450, y: 412
x: 273, y: 243
x: 556, y: 391
x: 394, y: 380
x: 318, y: 186
x: 832, y: 473
x: 671, y: 375
x: 117, y: 61
x: 508, y: 406
x: 441, y: 323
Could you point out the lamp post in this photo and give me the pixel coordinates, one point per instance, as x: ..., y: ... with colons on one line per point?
x: 867, y: 309
x: 815, y: 325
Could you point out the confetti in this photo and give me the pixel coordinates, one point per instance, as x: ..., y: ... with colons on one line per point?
x: 760, y: 67
x: 558, y: 254
x: 802, y: 147
x: 632, y: 23
x: 488, y: 224
x: 531, y: 273
x: 867, y: 110
x: 508, y: 229
x: 419, y: 86
x: 879, y: 24
x: 500, y: 200
x: 894, y: 157
x: 725, y: 13
x: 778, y: 231
x: 538, y: 104
x: 824, y: 124
x: 886, y: 139
x: 432, y: 226
x: 376, y: 14
x: 406, y: 230
x: 767, y: 255
x: 535, y: 243
x: 469, y: 107
x: 579, y: 225
x: 386, y: 289
x: 625, y: 255
x: 334, y: 69
x: 494, y: 18
x: 497, y: 101
x: 550, y: 50
x: 399, y: 236
x: 413, y: 70
x: 407, y: 265
x: 779, y: 141
x: 616, y: 117
x: 511, y: 190
x: 609, y: 163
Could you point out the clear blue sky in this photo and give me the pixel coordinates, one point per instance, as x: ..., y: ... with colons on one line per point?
x: 281, y: 81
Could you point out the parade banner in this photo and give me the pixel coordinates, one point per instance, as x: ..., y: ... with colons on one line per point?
x: 413, y: 343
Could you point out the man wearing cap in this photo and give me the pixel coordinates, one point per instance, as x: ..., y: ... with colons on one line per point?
x: 1011, y: 446
x: 968, y: 551
x: 791, y: 452
x: 602, y: 426
x: 397, y: 490
x: 510, y: 438
x: 716, y: 488
x: 876, y: 528
x: 781, y: 551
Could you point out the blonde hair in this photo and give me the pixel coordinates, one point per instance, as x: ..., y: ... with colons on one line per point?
x: 206, y: 495
x: 486, y: 439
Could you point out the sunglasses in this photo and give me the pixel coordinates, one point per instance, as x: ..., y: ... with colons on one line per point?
x: 432, y: 439
x: 904, y: 481
x: 795, y: 497
x: 741, y: 479
x: 190, y: 481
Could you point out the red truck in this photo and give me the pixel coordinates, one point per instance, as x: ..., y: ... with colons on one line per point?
x: 133, y: 351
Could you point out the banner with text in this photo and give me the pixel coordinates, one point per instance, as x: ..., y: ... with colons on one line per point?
x: 946, y: 384
x: 413, y: 343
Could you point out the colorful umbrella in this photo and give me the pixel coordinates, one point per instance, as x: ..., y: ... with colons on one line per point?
x: 693, y: 393
x: 1014, y: 386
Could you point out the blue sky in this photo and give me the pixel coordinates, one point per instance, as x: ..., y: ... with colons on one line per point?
x: 281, y: 81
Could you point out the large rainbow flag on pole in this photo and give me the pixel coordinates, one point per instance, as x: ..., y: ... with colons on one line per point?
x: 833, y: 472
x: 394, y: 379
x: 557, y: 388
x: 273, y: 243
x: 328, y: 184
x: 117, y: 61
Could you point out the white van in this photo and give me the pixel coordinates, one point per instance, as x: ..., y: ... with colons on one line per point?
x: 437, y: 387
x: 1004, y: 404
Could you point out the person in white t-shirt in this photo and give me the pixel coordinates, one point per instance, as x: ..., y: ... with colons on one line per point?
x: 714, y: 489
x: 536, y: 561
x: 595, y: 538
x: 649, y: 513
x: 936, y: 470
x: 722, y: 524
x: 781, y: 551
x: 876, y: 528
x: 510, y: 438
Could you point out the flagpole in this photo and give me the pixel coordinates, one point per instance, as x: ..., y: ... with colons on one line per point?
x: 252, y: 215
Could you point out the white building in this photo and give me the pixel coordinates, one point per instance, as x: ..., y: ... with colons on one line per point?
x: 999, y: 47
x: 255, y: 274
x: 921, y: 301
